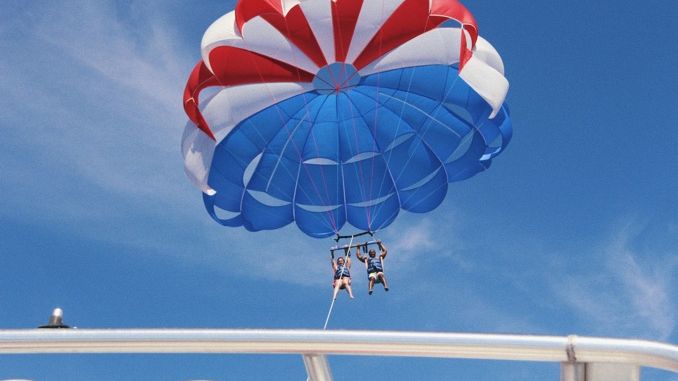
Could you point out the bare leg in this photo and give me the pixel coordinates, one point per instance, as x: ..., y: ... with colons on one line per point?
x: 371, y: 286
x: 347, y: 283
x: 337, y: 286
x: 383, y: 280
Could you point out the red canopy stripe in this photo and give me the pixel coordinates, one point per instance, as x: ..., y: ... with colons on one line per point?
x: 233, y: 66
x: 409, y: 20
x: 200, y: 78
x: 413, y: 18
x: 237, y: 66
x: 454, y: 10
x: 344, y: 18
x: 293, y: 26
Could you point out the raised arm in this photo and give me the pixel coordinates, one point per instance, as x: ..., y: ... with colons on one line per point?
x: 357, y: 255
x: 334, y: 264
x: 383, y: 249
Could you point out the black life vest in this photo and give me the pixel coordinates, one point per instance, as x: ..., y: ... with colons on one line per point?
x: 374, y: 265
x: 342, y: 272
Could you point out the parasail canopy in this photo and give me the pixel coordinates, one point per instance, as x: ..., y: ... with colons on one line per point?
x: 327, y: 112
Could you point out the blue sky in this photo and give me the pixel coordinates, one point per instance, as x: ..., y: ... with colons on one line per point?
x: 574, y: 229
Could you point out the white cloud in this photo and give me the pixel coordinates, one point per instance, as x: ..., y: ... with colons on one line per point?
x: 99, y: 104
x: 646, y: 286
x: 631, y: 293
x: 143, y: 59
x: 408, y: 247
x: 417, y: 237
x: 299, y: 261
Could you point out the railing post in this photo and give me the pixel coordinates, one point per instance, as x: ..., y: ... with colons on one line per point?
x: 317, y: 368
x: 572, y: 371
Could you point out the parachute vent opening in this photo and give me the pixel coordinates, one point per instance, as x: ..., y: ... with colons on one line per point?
x: 225, y: 214
x: 370, y: 203
x: 399, y: 140
x: 462, y: 148
x: 267, y: 199
x: 361, y: 157
x: 251, y: 167
x: 320, y: 161
x: 318, y: 208
x: 496, y: 143
x: 461, y: 113
x: 422, y: 182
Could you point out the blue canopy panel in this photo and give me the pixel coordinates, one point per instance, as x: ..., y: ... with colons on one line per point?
x: 388, y: 141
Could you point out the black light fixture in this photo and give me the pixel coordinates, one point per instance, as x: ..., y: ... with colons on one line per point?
x: 56, y: 320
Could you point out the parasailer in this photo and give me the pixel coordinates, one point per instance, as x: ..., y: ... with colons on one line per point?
x: 327, y: 112
x: 374, y: 265
x: 342, y: 275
